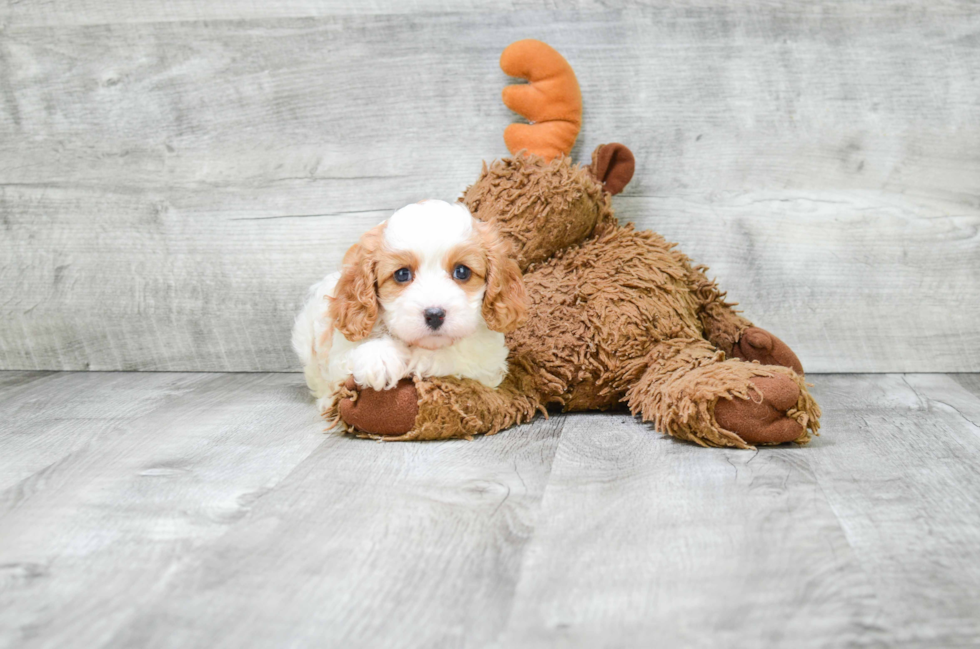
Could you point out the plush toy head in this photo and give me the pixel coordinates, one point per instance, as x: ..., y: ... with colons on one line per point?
x: 538, y: 198
x: 542, y: 207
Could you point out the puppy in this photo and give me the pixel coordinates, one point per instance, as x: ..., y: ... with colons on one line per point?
x: 429, y: 292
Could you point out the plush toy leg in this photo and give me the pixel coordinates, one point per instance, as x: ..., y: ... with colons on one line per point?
x: 426, y: 409
x: 722, y: 325
x: 759, y: 345
x: 690, y: 391
x: 730, y: 332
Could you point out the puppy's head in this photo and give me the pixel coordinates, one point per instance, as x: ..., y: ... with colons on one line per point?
x: 433, y: 274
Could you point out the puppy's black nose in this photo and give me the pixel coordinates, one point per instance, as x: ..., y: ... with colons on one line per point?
x: 434, y: 317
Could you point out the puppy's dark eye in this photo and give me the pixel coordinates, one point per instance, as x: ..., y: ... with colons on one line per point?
x: 461, y: 272
x: 403, y: 275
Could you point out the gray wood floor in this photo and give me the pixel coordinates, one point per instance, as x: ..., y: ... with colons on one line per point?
x: 201, y: 510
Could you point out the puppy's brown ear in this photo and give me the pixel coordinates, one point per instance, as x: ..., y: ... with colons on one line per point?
x: 505, y: 301
x: 354, y: 308
x: 613, y: 165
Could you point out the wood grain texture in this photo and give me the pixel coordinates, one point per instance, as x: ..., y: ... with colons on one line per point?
x: 904, y: 486
x: 866, y: 538
x: 427, y: 537
x: 218, y: 514
x: 732, y: 549
x: 349, y: 523
x: 49, y: 418
x: 140, y: 470
x: 97, y: 12
x: 170, y: 183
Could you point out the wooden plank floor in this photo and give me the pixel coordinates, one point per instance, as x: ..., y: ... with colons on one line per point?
x: 203, y: 510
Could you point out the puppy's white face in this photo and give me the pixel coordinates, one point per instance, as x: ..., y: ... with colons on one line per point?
x: 431, y: 274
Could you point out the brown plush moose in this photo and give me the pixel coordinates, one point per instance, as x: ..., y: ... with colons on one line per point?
x: 616, y: 316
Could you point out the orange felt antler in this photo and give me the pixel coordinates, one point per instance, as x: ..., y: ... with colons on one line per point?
x: 552, y: 101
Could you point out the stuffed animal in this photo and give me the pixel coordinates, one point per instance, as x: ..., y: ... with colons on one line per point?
x: 617, y: 317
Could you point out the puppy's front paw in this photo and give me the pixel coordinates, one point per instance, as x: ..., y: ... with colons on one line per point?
x: 378, y: 365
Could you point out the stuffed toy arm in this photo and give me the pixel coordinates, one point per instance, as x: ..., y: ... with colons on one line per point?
x: 440, y: 408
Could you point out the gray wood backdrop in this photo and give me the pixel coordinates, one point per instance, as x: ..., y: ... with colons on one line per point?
x: 174, y: 175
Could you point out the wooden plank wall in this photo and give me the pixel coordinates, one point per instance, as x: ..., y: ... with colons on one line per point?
x: 174, y: 175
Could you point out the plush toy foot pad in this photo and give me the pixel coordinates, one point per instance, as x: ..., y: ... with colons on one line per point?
x: 765, y: 421
x: 759, y: 345
x: 387, y: 413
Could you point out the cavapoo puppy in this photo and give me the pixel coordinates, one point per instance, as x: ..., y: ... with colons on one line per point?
x: 429, y: 292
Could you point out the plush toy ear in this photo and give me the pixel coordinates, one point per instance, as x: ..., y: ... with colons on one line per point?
x: 354, y: 307
x: 612, y: 165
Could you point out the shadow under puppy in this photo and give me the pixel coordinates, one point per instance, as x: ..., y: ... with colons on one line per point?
x: 429, y: 292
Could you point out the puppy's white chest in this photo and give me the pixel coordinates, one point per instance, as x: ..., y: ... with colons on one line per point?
x: 482, y: 357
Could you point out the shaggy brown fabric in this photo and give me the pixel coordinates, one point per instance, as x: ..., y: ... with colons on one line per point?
x: 460, y: 408
x: 616, y: 317
x: 542, y: 207
x: 686, y: 381
x: 597, y: 307
x: 722, y: 325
